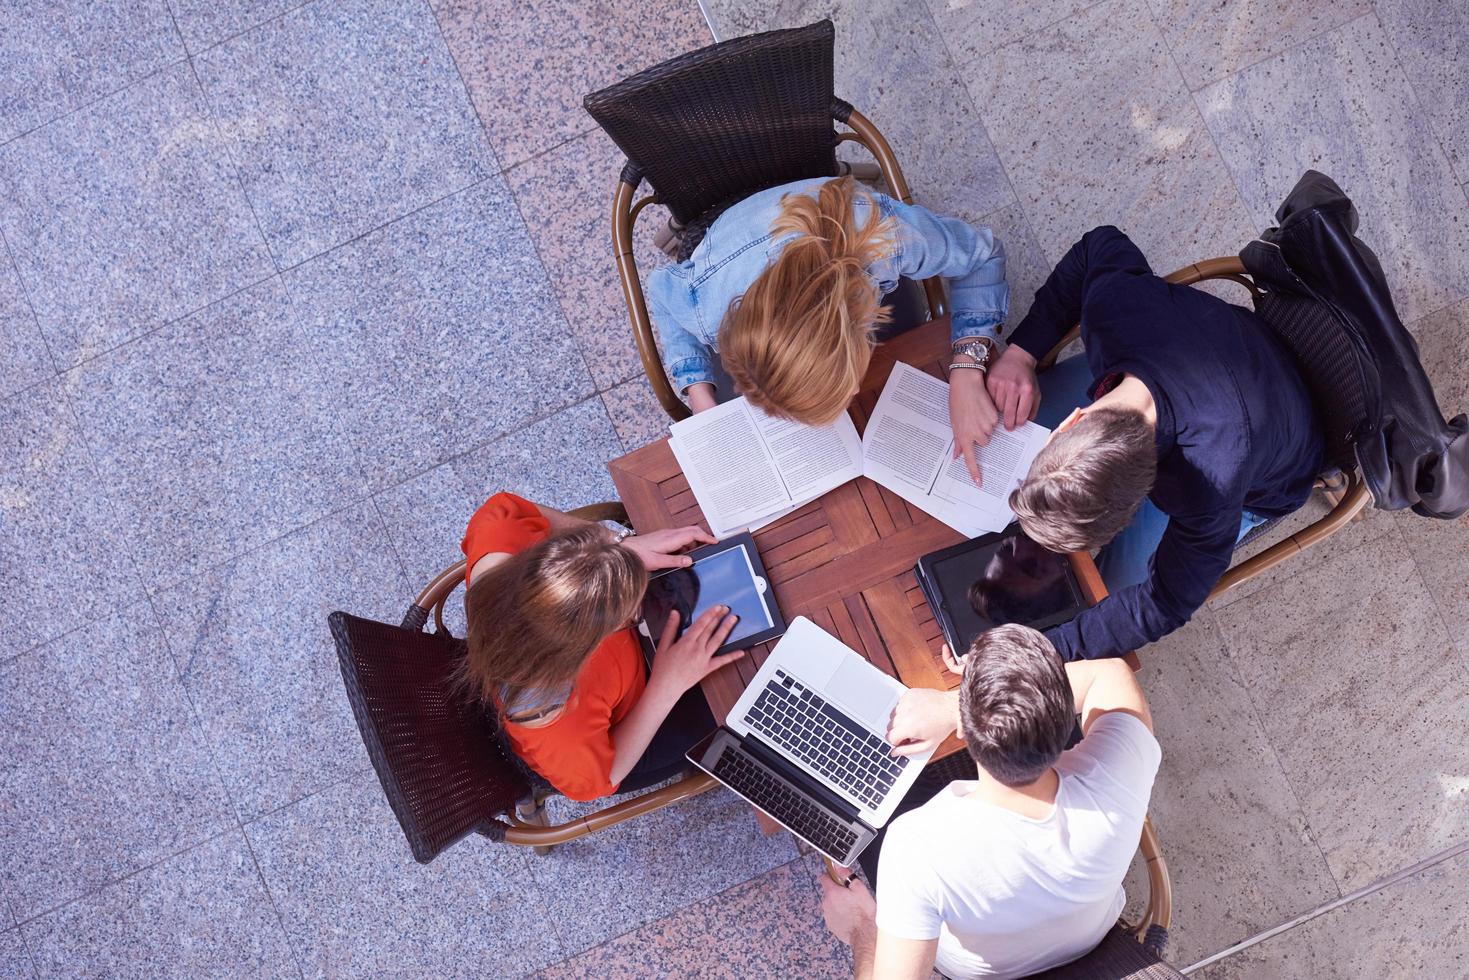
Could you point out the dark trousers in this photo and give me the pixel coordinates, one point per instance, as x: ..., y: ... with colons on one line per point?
x: 686, y: 724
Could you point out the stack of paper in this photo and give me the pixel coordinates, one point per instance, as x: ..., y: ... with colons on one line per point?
x: 909, y: 449
x: 747, y: 468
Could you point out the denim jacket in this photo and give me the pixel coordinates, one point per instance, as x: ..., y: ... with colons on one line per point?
x: 688, y: 300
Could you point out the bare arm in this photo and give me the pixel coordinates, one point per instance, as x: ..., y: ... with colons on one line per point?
x: 1104, y: 686
x: 895, y: 958
x: 677, y: 666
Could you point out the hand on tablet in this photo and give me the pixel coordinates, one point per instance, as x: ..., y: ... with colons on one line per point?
x: 681, y: 663
x: 660, y: 549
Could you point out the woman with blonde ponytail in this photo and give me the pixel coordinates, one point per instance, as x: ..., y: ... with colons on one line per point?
x: 782, y: 301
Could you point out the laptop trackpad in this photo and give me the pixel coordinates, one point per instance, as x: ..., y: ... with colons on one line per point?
x: 864, y: 696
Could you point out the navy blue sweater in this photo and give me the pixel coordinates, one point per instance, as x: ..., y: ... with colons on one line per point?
x: 1236, y: 429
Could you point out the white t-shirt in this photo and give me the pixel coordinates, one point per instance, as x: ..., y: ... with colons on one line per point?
x: 1006, y: 895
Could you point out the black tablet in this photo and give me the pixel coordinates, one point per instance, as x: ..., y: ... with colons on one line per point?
x: 728, y: 573
x: 996, y: 579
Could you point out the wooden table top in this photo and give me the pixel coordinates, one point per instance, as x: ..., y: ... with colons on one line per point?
x: 844, y: 560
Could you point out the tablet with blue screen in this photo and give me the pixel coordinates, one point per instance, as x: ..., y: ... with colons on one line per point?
x: 728, y: 573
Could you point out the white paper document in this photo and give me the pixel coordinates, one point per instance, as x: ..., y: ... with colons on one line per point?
x: 747, y: 469
x: 909, y: 449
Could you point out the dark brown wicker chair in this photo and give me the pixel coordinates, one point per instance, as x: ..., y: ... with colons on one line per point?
x: 445, y: 768
x: 1335, y: 392
x: 711, y: 127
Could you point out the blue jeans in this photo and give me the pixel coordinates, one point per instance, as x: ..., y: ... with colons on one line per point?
x: 1125, y: 560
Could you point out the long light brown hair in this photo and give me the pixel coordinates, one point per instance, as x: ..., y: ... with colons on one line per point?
x: 798, y: 343
x: 535, y: 618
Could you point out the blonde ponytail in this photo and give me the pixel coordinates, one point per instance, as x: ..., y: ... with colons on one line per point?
x: 798, y: 343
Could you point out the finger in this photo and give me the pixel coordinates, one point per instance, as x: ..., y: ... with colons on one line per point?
x: 722, y: 632
x: 971, y: 460
x: 670, y: 630
x: 951, y: 661
x: 724, y: 660
x: 1012, y: 407
x: 656, y: 561
x: 698, y: 534
x: 916, y: 747
x: 705, y: 624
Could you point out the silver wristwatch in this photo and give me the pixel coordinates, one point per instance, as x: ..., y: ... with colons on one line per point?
x: 982, y: 350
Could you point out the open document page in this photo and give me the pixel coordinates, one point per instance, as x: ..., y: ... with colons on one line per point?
x: 747, y: 468
x: 909, y: 446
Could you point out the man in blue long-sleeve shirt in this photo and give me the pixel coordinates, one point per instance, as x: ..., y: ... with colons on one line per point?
x: 1234, y: 436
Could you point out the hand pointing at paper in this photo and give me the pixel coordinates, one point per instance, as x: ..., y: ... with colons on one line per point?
x: 972, y: 414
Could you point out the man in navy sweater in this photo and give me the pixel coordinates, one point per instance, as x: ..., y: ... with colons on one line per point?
x: 1185, y: 425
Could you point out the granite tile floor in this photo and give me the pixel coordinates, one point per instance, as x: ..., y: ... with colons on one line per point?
x: 286, y: 288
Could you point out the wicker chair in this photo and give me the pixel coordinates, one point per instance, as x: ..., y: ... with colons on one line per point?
x: 443, y: 764
x: 1335, y: 391
x: 710, y: 128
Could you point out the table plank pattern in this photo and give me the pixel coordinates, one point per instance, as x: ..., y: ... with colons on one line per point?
x: 844, y: 560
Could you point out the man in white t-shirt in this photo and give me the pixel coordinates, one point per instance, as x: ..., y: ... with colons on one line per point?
x: 1021, y: 869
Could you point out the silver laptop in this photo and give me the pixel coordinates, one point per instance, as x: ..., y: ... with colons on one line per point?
x: 806, y: 743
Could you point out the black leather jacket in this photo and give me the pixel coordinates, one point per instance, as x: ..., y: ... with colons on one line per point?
x: 1408, y: 454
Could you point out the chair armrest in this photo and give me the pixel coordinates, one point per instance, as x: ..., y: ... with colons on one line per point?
x: 624, y: 217
x: 1353, y: 500
x: 1049, y: 361
x: 529, y: 835
x: 609, y: 511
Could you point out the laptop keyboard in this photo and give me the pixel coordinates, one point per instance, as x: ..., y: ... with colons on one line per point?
x: 806, y: 820
x: 801, y: 722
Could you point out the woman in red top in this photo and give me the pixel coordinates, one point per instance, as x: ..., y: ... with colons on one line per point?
x: 549, y: 604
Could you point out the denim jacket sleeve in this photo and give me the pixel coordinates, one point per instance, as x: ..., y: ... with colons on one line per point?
x: 971, y: 259
x: 690, y: 361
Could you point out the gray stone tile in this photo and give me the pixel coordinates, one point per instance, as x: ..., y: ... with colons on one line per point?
x: 1356, y: 683
x: 882, y: 49
x: 126, y: 215
x: 660, y: 862
x: 1026, y: 266
x: 438, y: 332
x: 1239, y: 851
x: 559, y: 461
x: 215, y: 433
x: 105, y: 772
x: 564, y: 195
x: 24, y: 359
x: 1115, y: 140
x: 1210, y: 40
x: 974, y: 28
x: 770, y: 926
x: 528, y: 65
x: 1341, y: 104
x: 202, y: 913
x: 637, y: 414
x: 15, y: 959
x: 207, y: 22
x: 1432, y: 41
x: 341, y: 117
x: 355, y: 902
x: 1414, y: 928
x: 1373, y: 525
x: 1440, y: 547
x: 252, y: 648
x: 62, y: 54
x: 63, y: 554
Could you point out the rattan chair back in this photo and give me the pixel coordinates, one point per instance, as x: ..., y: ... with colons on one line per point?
x: 441, y: 760
x: 713, y: 126
x: 1331, y: 369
